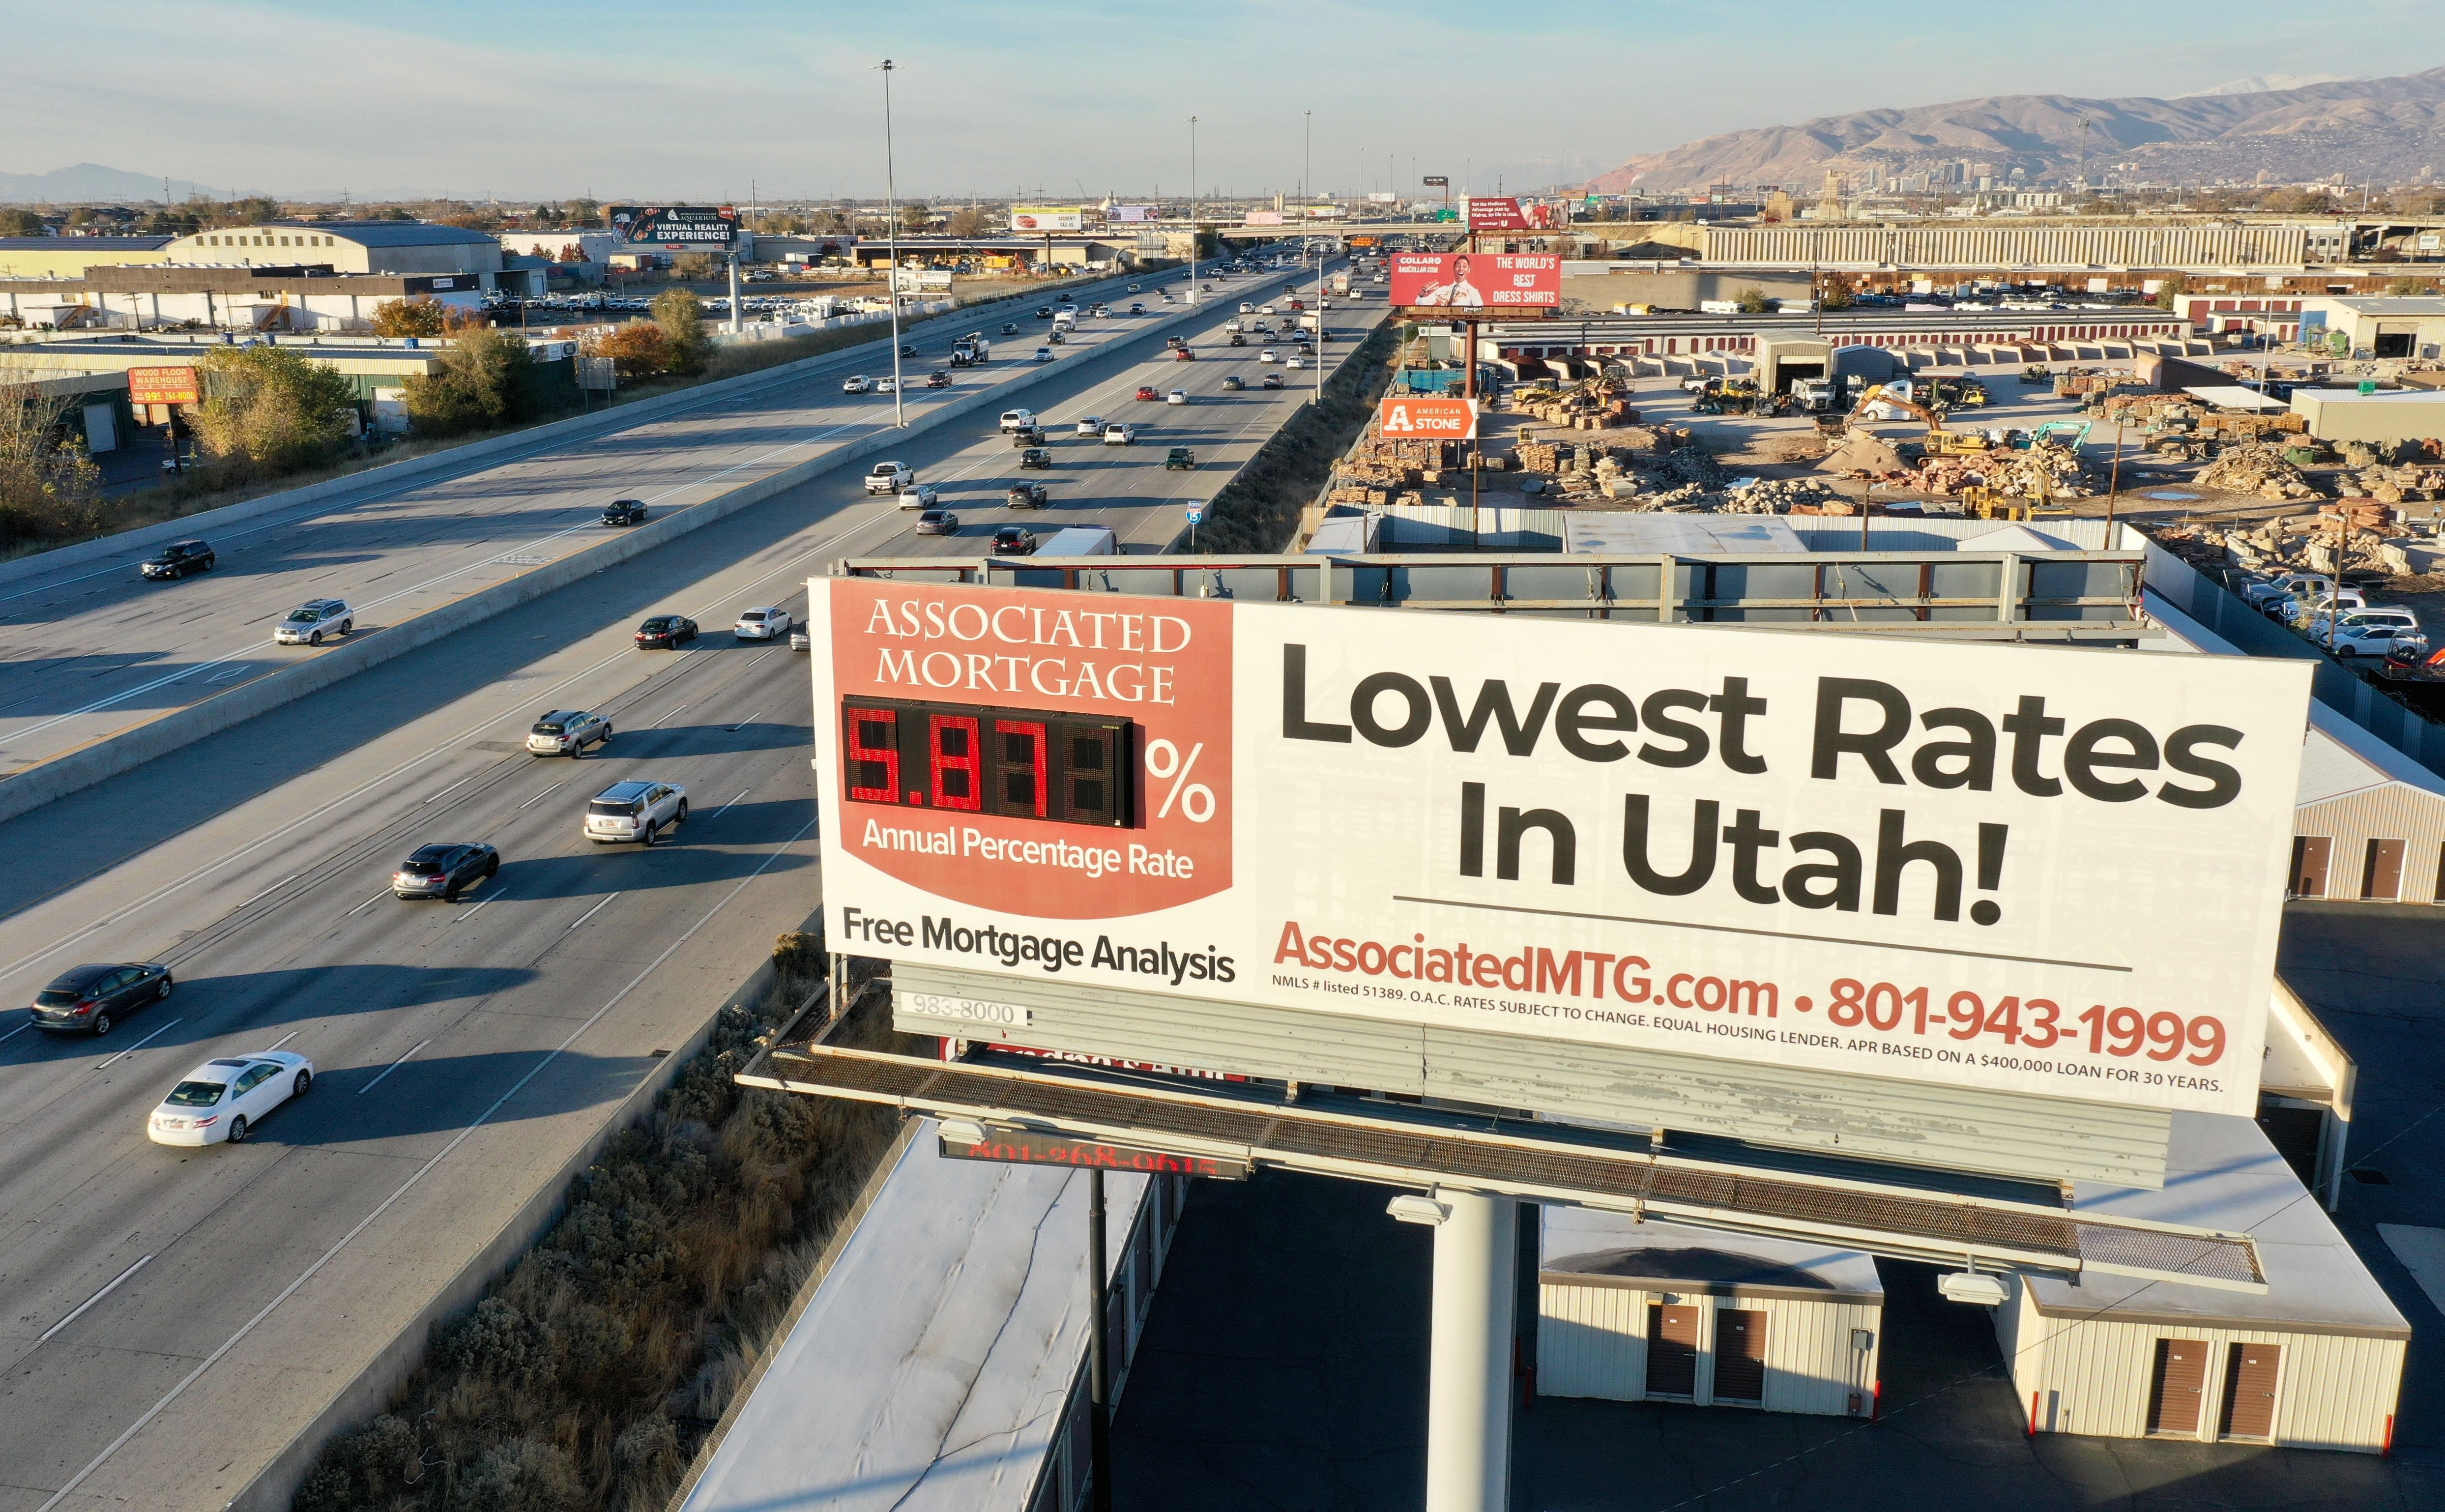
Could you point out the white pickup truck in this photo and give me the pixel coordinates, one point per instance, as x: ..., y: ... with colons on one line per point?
x: 890, y: 477
x: 1016, y: 419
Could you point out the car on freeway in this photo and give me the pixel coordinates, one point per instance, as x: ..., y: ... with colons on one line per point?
x: 1147, y: 394
x: 938, y: 379
x: 1043, y: 312
x: 309, y: 622
x: 1238, y: 339
x: 2378, y: 638
x: 1117, y: 434
x: 907, y: 351
x: 1178, y: 396
x: 1090, y: 425
x: 1264, y: 309
x: 1013, y: 540
x: 180, y: 558
x: 857, y: 384
x: 1100, y: 312
x: 635, y: 810
x: 1272, y: 381
x: 1035, y: 457
x: 220, y: 1101
x: 1231, y: 381
x: 1028, y: 497
x: 801, y: 639
x: 1183, y: 354
x: 886, y: 386
x: 1018, y: 419
x: 1269, y: 355
x: 1010, y: 327
x: 445, y: 871
x: 762, y: 624
x: 1137, y: 308
x: 1068, y: 310
x: 1295, y: 361
x: 1044, y: 354
x: 933, y: 522
x: 91, y: 999
x: 1297, y: 303
x: 1179, y: 460
x: 889, y: 477
x: 567, y: 731
x: 1032, y: 436
x: 624, y: 511
x: 669, y: 631
x: 1246, y: 308
x: 1133, y: 289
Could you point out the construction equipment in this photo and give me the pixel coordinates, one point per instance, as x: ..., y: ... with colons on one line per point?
x: 1969, y: 393
x: 2063, y: 433
x: 1940, y: 442
x: 2037, y: 374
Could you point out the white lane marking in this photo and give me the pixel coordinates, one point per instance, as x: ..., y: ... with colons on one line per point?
x: 275, y: 888
x: 140, y: 1044
x: 44, y: 1337
x: 745, y: 723
x: 392, y: 1067
x: 286, y: 1038
x: 546, y: 793
x: 19, y: 1030
x: 367, y: 904
x: 759, y: 655
x: 438, y: 1156
x: 673, y: 715
x: 591, y: 912
x: 236, y: 671
x: 460, y: 918
x: 725, y: 808
x: 453, y: 788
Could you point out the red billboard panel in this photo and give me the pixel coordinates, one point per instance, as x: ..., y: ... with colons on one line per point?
x: 1504, y: 281
x: 1420, y: 418
x: 163, y: 385
x: 1486, y: 214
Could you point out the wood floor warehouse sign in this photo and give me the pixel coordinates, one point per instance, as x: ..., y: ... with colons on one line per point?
x: 2051, y: 869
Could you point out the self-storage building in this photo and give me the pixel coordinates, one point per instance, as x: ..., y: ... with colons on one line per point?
x: 1657, y: 1312
x: 2315, y: 1361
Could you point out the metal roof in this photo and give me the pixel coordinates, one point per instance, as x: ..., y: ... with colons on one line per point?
x: 83, y: 243
x: 1615, y: 1249
x: 374, y: 233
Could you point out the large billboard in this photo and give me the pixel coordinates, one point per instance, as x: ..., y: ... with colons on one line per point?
x: 1488, y: 214
x: 1133, y: 214
x: 1504, y: 281
x: 1048, y: 218
x: 675, y: 225
x: 1264, y: 217
x: 2047, y: 869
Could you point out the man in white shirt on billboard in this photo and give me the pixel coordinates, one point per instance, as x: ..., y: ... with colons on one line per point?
x: 1458, y: 295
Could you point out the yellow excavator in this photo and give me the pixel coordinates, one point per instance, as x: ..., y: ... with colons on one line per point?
x: 1940, y: 442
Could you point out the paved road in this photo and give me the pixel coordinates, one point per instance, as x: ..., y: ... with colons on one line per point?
x: 466, y: 1050
x: 93, y: 649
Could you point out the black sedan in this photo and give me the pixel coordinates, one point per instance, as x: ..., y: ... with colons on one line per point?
x: 89, y: 1000
x: 444, y: 871
x: 180, y: 558
x: 624, y: 511
x: 669, y: 631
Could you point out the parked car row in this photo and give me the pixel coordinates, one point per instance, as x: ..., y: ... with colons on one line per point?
x: 2338, y: 617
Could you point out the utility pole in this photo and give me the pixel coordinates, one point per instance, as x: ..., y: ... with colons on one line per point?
x: 1099, y: 1369
x: 891, y: 224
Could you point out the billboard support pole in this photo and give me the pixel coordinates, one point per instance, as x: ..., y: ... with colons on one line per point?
x: 1099, y: 1371
x: 1468, y: 1354
x: 733, y: 292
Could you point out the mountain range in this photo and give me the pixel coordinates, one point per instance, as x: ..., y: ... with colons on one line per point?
x: 91, y: 183
x: 2389, y: 130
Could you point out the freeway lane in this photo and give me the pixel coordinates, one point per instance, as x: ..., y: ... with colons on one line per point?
x: 467, y: 1050
x: 93, y: 651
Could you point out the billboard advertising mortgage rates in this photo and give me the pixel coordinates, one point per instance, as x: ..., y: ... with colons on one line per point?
x: 2051, y: 870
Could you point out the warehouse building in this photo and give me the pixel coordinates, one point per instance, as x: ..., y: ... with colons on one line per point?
x: 349, y: 247
x: 1648, y: 1312
x: 2021, y: 246
x: 2381, y: 326
x: 268, y: 298
x: 2315, y: 1361
x: 2385, y: 418
x: 69, y: 256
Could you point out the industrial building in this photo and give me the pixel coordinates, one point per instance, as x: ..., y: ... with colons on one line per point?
x: 2385, y: 418
x: 2381, y: 326
x: 348, y: 247
x: 998, y: 252
x: 2021, y: 246
x: 1673, y: 344
x: 1639, y: 1312
x: 69, y: 256
x: 285, y: 298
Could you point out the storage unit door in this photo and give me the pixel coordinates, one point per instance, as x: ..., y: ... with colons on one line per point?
x: 2310, y: 853
x: 2250, y: 1392
x: 2174, y: 1392
x: 1740, y: 1355
x: 2382, y: 871
x: 1671, y: 1351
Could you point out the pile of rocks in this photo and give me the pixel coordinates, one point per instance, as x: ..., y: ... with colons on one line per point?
x: 2044, y: 471
x: 2256, y: 467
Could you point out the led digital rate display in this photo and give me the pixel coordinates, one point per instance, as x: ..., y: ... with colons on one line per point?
x: 1012, y: 764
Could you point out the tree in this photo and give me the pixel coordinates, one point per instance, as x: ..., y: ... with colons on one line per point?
x: 252, y: 210
x: 582, y: 212
x: 638, y: 350
x: 971, y: 222
x: 20, y: 223
x: 1839, y: 296
x: 2408, y: 286
x: 49, y: 489
x: 2169, y: 288
x: 269, y: 409
x: 1753, y: 301
x: 419, y: 317
x: 681, y: 315
x: 914, y: 218
x: 693, y: 265
x: 487, y: 380
x: 573, y: 252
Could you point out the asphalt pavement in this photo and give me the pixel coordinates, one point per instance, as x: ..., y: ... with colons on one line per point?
x: 169, y: 1317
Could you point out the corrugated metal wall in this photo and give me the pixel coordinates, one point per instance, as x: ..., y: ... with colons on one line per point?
x: 2390, y: 813
x: 1592, y: 1341
x: 2092, y: 1375
x: 1872, y: 1117
x: 1992, y: 246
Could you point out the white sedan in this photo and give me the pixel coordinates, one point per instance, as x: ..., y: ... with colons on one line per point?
x: 886, y: 386
x: 1178, y: 396
x: 1296, y: 361
x: 220, y: 1101
x: 1090, y: 425
x: 762, y: 624
x: 1269, y: 355
x: 857, y: 384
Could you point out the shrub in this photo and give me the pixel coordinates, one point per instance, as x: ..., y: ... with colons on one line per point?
x: 1753, y: 301
x: 487, y: 379
x: 637, y: 349
x: 49, y: 489
x: 421, y: 317
x: 268, y: 411
x: 681, y: 315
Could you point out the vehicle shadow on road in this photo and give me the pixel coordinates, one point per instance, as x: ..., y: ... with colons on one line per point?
x: 686, y: 857
x: 445, y: 1093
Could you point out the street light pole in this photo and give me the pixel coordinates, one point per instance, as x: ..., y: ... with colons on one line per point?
x: 1307, y: 164
x: 891, y: 231
x: 1193, y: 209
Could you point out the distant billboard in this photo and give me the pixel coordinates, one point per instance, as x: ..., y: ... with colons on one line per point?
x: 1264, y: 217
x: 1378, y: 198
x: 1437, y: 181
x: 2026, y: 868
x: 1418, y: 418
x: 1486, y: 214
x: 1131, y: 214
x: 163, y: 385
x: 1048, y: 218
x: 1514, y: 282
x: 675, y: 225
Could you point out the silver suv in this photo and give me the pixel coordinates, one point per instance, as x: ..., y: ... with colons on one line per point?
x: 634, y: 810
x: 567, y: 731
x: 308, y: 623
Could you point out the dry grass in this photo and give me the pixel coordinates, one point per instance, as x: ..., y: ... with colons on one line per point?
x: 1259, y: 510
x: 586, y: 1376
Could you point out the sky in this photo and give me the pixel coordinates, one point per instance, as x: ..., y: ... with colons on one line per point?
x: 624, y: 100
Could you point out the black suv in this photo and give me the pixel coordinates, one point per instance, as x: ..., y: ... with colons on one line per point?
x: 91, y: 998
x: 1028, y: 497
x: 624, y: 511
x: 180, y: 558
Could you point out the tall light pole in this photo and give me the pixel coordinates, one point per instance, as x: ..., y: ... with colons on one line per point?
x: 1307, y: 164
x: 892, y: 229
x: 1193, y: 207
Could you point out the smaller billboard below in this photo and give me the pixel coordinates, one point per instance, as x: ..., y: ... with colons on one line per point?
x: 1048, y: 218
x: 1131, y: 215
x: 1383, y: 200
x: 1488, y: 213
x: 1264, y: 217
x: 1438, y: 181
x: 163, y: 385
x: 679, y: 225
x: 1504, y: 281
x: 1418, y: 418
x: 1024, y: 1146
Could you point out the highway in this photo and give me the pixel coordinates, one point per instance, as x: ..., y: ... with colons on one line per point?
x: 169, y: 1318
x: 92, y: 649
